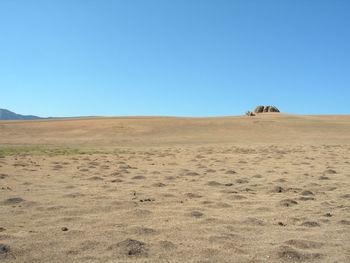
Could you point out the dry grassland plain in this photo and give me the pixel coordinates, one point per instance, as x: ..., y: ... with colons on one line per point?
x: 270, y: 188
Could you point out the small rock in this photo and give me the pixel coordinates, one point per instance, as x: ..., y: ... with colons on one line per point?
x: 241, y: 181
x: 307, y: 192
x: 193, y: 195
x: 278, y: 189
x: 4, y: 249
x: 192, y: 173
x: 346, y: 196
x: 323, y: 178
x: 12, y: 201
x: 344, y: 222
x: 310, y: 224
x: 288, y: 202
x: 2, y: 176
x: 214, y: 183
x: 138, y: 177
x: 196, y: 214
x: 159, y: 185
x: 117, y: 181
x: 306, y: 198
x: 64, y: 229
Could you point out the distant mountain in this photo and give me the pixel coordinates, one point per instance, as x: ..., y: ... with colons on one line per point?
x: 9, y: 115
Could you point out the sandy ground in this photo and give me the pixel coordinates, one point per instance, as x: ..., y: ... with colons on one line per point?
x: 275, y: 188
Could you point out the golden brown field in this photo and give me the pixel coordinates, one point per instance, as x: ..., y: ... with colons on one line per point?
x: 271, y: 188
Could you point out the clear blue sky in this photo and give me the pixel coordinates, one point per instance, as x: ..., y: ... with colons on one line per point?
x: 174, y: 57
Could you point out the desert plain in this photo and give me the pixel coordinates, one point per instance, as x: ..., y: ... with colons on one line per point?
x: 269, y: 188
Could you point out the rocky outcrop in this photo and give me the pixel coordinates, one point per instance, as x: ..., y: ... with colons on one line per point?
x: 266, y: 108
x: 273, y: 109
x: 261, y: 109
x: 249, y: 113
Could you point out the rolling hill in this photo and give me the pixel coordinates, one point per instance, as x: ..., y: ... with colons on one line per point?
x: 142, y: 131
